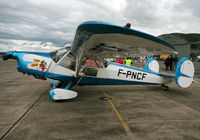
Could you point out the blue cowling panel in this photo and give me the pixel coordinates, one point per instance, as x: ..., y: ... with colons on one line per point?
x: 22, y: 65
x: 105, y: 81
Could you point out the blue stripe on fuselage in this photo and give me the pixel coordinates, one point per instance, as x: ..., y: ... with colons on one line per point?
x: 147, y: 71
x: 105, y: 81
x: 59, y: 77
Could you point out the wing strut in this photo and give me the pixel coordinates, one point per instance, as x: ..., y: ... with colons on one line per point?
x: 66, y: 93
x: 90, y: 59
x: 78, y: 62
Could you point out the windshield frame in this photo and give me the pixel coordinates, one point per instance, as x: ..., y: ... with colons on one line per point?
x: 58, y: 54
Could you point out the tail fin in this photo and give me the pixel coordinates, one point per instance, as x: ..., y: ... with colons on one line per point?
x: 184, y: 73
x: 152, y: 65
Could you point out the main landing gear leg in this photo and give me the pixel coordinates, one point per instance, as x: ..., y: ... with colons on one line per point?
x: 69, y: 85
x: 164, y: 87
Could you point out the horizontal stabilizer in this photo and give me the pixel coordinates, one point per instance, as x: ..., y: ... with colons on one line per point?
x: 152, y: 65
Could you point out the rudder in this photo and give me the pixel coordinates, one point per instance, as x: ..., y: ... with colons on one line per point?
x: 184, y: 73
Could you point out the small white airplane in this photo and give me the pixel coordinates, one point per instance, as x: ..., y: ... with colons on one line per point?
x: 97, y: 40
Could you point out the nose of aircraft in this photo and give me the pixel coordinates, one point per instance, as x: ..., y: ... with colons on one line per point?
x: 9, y: 55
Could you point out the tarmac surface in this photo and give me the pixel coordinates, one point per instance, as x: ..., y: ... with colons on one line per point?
x: 99, y: 112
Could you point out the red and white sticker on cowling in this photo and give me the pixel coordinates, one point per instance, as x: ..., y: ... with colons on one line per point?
x: 39, y: 63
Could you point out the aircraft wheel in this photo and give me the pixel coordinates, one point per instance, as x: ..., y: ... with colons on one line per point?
x: 164, y: 87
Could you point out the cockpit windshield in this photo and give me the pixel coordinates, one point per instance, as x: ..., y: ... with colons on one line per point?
x: 58, y: 54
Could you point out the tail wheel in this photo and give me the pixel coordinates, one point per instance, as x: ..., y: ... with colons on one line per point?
x: 164, y: 87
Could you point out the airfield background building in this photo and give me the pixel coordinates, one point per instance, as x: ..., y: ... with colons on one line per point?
x: 188, y: 45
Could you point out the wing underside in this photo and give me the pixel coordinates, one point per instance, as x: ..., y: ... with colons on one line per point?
x: 100, y: 40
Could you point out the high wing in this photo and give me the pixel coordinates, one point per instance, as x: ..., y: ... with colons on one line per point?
x: 100, y: 40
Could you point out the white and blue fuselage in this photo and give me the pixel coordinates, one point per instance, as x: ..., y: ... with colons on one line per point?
x: 42, y: 65
x: 98, y: 40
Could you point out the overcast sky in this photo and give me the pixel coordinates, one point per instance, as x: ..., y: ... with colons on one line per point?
x: 44, y: 25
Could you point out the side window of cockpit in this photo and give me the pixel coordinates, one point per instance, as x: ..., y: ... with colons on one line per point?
x: 95, y: 63
x: 91, y: 67
x: 68, y: 61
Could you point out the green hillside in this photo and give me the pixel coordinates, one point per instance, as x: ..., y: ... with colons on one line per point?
x: 193, y: 38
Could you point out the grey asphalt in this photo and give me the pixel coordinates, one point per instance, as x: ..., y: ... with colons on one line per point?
x: 27, y: 113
